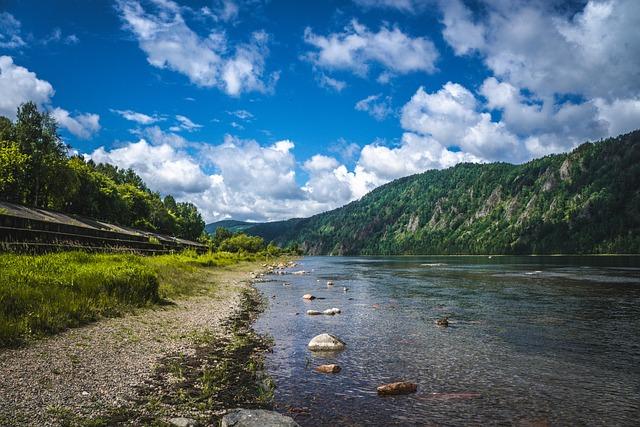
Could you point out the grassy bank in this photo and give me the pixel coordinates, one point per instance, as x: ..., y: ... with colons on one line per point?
x: 45, y: 294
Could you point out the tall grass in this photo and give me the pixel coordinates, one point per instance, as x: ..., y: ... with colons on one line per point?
x: 45, y: 294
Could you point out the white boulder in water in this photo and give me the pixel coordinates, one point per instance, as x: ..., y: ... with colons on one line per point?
x: 326, y: 342
x: 332, y: 311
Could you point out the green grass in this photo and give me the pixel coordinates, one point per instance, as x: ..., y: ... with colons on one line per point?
x: 45, y: 294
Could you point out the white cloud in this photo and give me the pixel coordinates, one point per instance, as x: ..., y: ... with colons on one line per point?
x: 19, y: 85
x: 319, y: 163
x: 186, y: 123
x: 140, y: 118
x: 241, y: 114
x: 530, y: 45
x: 377, y: 106
x: 162, y: 167
x: 331, y: 83
x: 83, y: 125
x: 357, y: 48
x: 207, y: 61
x: 410, y: 6
x: 10, y: 37
x: 460, y: 31
x: 622, y: 115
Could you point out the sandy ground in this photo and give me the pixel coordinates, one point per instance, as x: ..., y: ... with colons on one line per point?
x: 86, y: 371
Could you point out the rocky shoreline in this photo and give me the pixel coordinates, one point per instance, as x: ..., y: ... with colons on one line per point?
x: 186, y: 364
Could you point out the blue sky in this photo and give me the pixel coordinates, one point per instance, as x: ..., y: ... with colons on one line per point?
x: 265, y: 110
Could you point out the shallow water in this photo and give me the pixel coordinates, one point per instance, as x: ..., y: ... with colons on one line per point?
x: 532, y: 340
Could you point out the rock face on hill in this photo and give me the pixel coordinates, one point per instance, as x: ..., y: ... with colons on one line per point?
x: 585, y: 201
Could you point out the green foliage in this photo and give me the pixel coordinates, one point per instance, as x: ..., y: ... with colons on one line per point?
x: 13, y: 168
x: 586, y: 201
x: 44, y: 294
x: 242, y: 243
x: 35, y: 171
x: 49, y: 293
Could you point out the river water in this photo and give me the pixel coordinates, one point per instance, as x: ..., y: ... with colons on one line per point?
x: 532, y: 341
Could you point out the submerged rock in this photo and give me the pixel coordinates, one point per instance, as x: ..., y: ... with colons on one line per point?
x: 326, y: 342
x: 444, y: 322
x: 308, y: 297
x: 401, y: 387
x: 328, y: 369
x: 313, y: 312
x: 256, y: 418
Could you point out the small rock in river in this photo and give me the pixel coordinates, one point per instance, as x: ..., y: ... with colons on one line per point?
x: 328, y: 369
x: 329, y: 283
x: 401, y: 387
x: 313, y: 312
x: 332, y: 311
x: 326, y: 342
x: 444, y: 322
x: 308, y: 297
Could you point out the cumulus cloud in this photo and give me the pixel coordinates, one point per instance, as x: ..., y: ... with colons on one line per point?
x: 162, y: 167
x: 19, y: 85
x: 357, y: 49
x: 530, y: 45
x: 140, y: 118
x: 560, y: 75
x: 377, y: 106
x: 83, y: 125
x: 210, y: 61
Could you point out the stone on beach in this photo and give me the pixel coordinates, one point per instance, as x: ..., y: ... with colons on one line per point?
x: 313, y: 312
x: 328, y: 369
x: 308, y: 297
x: 256, y: 418
x: 332, y: 311
x: 182, y: 422
x: 326, y: 342
x: 401, y: 387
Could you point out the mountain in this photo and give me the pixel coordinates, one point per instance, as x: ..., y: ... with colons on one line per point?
x: 230, y: 224
x: 585, y: 201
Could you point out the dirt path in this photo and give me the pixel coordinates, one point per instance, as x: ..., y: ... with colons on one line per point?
x: 80, y: 374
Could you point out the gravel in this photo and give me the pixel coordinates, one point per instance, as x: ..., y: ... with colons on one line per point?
x: 86, y: 372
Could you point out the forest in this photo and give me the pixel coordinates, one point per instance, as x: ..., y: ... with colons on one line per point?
x: 583, y: 202
x: 37, y: 170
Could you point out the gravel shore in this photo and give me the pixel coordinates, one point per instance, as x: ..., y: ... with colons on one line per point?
x: 92, y: 371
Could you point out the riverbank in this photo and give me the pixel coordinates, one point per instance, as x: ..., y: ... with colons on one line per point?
x: 193, y: 356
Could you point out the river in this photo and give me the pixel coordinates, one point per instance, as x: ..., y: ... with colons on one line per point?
x: 531, y: 340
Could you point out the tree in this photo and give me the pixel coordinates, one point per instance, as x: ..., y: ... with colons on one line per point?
x: 13, y: 167
x: 37, y: 134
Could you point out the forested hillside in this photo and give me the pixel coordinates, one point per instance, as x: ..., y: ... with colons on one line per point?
x: 586, y: 201
x: 36, y: 170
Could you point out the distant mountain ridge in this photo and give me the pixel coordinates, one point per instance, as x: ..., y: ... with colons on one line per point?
x: 585, y: 201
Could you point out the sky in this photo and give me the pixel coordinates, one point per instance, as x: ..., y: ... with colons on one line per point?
x: 265, y: 110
